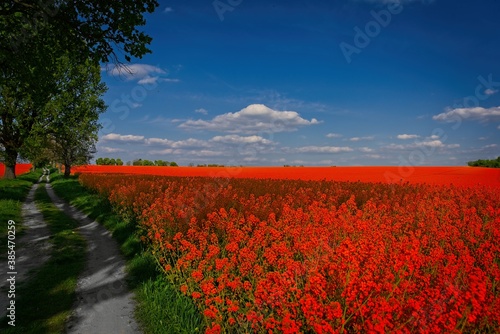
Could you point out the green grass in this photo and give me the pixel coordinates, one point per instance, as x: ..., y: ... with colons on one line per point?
x: 12, y: 195
x: 161, y: 308
x: 44, y: 303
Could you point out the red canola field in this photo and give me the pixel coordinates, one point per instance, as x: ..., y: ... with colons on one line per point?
x: 432, y: 175
x: 294, y: 256
x: 20, y: 169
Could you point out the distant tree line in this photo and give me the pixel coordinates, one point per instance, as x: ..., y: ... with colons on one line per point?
x: 136, y: 162
x: 209, y: 165
x: 109, y: 162
x: 494, y: 163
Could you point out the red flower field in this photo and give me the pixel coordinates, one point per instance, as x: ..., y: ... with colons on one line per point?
x: 431, y: 175
x: 293, y: 256
x: 20, y: 169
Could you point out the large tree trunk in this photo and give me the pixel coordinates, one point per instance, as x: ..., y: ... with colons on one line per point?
x: 67, y: 170
x: 10, y: 163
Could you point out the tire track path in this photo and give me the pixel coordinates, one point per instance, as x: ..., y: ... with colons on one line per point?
x: 32, y: 248
x: 104, y: 303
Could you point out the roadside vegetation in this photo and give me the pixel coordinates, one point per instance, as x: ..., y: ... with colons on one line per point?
x: 161, y: 308
x: 44, y: 303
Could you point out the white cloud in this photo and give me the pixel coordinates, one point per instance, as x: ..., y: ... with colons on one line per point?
x: 190, y: 143
x: 131, y: 139
x: 106, y: 149
x: 320, y: 149
x: 477, y: 113
x: 114, y: 137
x: 187, y: 143
x: 491, y: 146
x: 423, y: 144
x: 144, y: 74
x: 188, y: 153
x: 361, y: 138
x: 164, y: 152
x: 365, y: 149
x: 235, y: 139
x: 253, y: 159
x: 430, y: 143
x: 254, y: 118
x: 136, y: 71
x: 159, y: 141
x: 406, y: 136
x: 148, y: 80
x: 396, y: 147
x: 202, y: 111
x: 333, y: 135
x: 434, y: 137
x: 207, y: 153
x: 168, y: 10
x: 490, y: 91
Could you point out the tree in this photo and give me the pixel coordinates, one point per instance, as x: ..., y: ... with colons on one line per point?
x: 75, y: 111
x: 119, y: 162
x: 34, y: 34
x: 25, y: 89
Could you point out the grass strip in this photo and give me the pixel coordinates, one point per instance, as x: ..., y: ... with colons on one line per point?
x: 161, y: 307
x: 44, y: 302
x: 12, y: 195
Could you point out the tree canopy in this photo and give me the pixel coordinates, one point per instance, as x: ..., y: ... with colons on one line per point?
x: 99, y: 29
x: 495, y: 163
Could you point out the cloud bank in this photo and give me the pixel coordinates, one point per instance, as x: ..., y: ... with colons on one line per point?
x: 255, y: 118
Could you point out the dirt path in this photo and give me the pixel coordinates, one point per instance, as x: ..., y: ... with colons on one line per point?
x: 104, y: 303
x: 32, y: 248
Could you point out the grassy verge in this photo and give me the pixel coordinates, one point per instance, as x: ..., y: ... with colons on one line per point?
x: 161, y: 307
x: 45, y: 301
x: 12, y: 195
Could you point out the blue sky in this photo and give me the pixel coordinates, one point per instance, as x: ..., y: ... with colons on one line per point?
x: 314, y: 83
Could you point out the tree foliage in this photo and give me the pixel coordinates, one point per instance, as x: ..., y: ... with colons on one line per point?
x: 75, y: 112
x: 99, y: 29
x: 109, y: 162
x: 494, y: 163
x: 68, y: 131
